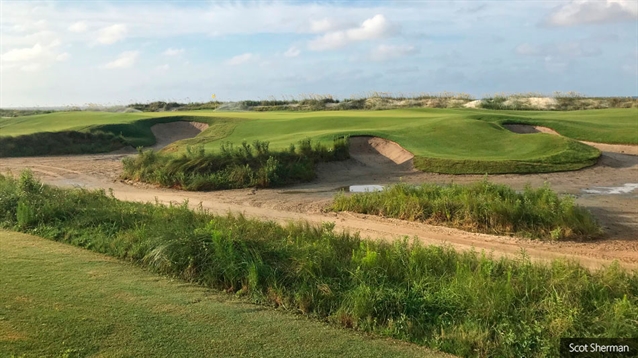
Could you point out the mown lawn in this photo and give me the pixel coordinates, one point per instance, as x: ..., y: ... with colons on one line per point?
x: 453, y: 141
x: 57, y: 300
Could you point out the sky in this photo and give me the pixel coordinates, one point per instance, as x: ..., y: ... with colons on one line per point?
x: 65, y: 53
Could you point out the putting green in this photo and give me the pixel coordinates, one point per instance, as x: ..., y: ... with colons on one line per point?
x: 443, y: 140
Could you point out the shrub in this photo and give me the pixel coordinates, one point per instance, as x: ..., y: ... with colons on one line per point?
x: 484, y: 207
x: 233, y: 167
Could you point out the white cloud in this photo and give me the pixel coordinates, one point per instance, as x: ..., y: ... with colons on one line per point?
x: 391, y: 52
x: 173, y: 52
x: 31, y: 67
x: 241, y: 59
x: 580, y: 12
x: 326, y: 25
x: 78, y: 27
x: 23, y: 54
x: 373, y: 28
x: 112, y: 34
x: 163, y: 67
x: 124, y: 60
x: 292, y: 52
x: 62, y: 57
x: 34, y: 58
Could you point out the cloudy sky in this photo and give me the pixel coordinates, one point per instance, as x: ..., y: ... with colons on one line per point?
x: 116, y: 52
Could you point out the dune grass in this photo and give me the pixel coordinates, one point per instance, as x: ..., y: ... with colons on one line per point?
x: 249, y: 165
x: 61, y: 301
x: 484, y: 207
x: 454, y: 141
x: 462, y: 303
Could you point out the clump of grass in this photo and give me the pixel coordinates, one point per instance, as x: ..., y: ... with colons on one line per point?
x: 483, y: 207
x: 462, y: 303
x: 233, y: 166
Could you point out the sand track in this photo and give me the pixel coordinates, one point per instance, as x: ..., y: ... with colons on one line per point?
x: 603, y: 147
x: 377, y: 161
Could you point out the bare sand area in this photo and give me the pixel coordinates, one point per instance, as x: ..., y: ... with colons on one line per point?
x: 378, y: 161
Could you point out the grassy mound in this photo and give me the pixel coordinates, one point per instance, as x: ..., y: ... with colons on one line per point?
x: 66, y: 142
x: 233, y: 167
x: 463, y: 303
x: 484, y: 207
x: 88, y: 133
x: 455, y: 141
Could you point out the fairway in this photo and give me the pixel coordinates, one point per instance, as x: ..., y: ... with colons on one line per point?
x: 59, y: 300
x: 455, y: 141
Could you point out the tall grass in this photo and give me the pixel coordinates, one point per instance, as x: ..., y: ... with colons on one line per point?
x: 233, y: 167
x: 560, y: 101
x: 463, y: 303
x: 483, y: 206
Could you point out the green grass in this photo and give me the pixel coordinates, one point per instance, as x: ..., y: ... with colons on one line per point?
x: 464, y: 303
x: 484, y: 207
x: 452, y: 141
x: 57, y: 300
x: 248, y: 165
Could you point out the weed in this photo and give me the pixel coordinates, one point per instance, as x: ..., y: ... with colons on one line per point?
x: 249, y: 165
x: 484, y: 206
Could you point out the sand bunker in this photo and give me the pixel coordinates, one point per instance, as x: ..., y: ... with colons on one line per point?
x: 379, y: 152
x: 167, y: 133
x: 604, y: 147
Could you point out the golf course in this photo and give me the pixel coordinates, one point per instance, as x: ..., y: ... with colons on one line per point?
x: 484, y: 183
x: 451, y: 141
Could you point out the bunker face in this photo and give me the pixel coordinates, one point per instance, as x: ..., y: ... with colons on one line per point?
x: 167, y: 133
x: 625, y: 189
x: 364, y: 188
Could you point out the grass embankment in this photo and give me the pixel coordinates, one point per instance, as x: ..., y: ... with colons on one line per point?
x: 462, y: 303
x: 233, y: 167
x: 91, y: 132
x: 454, y: 141
x: 57, y: 300
x: 483, y: 207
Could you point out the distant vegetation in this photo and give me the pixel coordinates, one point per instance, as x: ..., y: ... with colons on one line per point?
x: 233, y: 167
x: 559, y: 101
x: 462, y: 303
x: 11, y: 113
x: 483, y: 207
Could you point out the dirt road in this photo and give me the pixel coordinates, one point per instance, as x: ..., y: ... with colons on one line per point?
x: 617, y: 212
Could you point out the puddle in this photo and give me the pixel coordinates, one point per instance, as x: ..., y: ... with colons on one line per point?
x: 625, y: 189
x: 364, y: 188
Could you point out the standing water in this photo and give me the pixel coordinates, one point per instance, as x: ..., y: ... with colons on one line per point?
x: 364, y: 188
x: 625, y: 189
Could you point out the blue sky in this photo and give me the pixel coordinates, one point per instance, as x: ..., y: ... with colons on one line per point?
x: 75, y: 53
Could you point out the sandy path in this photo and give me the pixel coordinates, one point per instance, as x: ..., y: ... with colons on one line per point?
x: 618, y: 213
x: 376, y: 161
